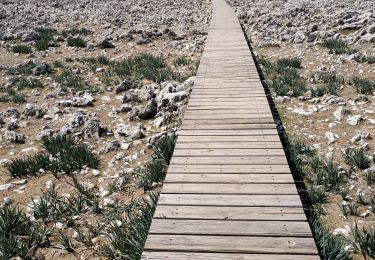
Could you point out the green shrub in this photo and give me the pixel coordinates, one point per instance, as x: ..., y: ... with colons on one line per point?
x: 24, y: 68
x: 365, y: 240
x: 363, y: 85
x: 338, y: 46
x: 76, y: 42
x: 22, y: 83
x: 289, y: 62
x: 156, y: 169
x: 67, y: 155
x: 12, y: 96
x: 363, y: 58
x: 182, y: 61
x: 28, y: 166
x: 75, y: 31
x: 288, y: 83
x: 18, y: 235
x: 21, y: 49
x: 356, y: 158
x: 46, y: 38
x: 70, y: 80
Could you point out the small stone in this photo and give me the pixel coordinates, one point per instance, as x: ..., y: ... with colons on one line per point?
x: 6, y: 186
x: 331, y: 137
x: 354, y: 120
x: 59, y: 225
x: 341, y: 231
x: 365, y: 214
x: 95, y: 172
x: 8, y: 200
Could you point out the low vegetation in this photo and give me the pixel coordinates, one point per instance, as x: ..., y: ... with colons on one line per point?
x: 365, y: 59
x: 23, y: 82
x: 338, y: 46
x: 24, y: 49
x: 76, y: 42
x: 64, y: 155
x: 124, y: 225
x: 285, y: 78
x: 363, y: 85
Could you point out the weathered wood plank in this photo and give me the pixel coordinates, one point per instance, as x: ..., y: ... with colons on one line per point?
x: 229, y: 145
x: 233, y: 227
x: 230, y: 213
x: 233, y: 200
x: 243, y: 178
x: 243, y: 160
x: 226, y: 152
x: 229, y: 188
x: 229, y: 169
x: 168, y: 255
x: 235, y: 244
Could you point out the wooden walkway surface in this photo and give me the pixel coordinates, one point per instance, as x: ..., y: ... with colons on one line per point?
x: 229, y: 193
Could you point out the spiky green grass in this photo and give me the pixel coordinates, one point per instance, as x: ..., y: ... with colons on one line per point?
x: 364, y: 58
x: 155, y: 170
x: 23, y: 82
x: 356, y: 158
x: 320, y: 178
x: 285, y: 78
x: 76, y: 42
x: 24, y: 49
x: 365, y: 240
x: 182, y: 61
x: 338, y: 46
x: 363, y: 85
x: 18, y: 234
x: 46, y: 38
x: 64, y: 156
x: 12, y: 96
x: 22, y: 69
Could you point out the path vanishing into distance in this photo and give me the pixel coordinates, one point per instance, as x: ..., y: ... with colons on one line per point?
x: 229, y: 192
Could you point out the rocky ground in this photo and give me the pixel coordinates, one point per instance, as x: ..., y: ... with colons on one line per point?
x: 114, y: 75
x: 330, y: 102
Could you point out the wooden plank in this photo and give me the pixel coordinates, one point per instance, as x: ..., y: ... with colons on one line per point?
x: 232, y: 228
x: 227, y: 121
x: 232, y: 132
x: 228, y: 199
x: 226, y: 152
x: 230, y: 213
x: 229, y: 178
x: 233, y: 138
x: 229, y: 145
x: 229, y: 188
x: 243, y: 160
x: 235, y: 244
x: 229, y: 169
x: 229, y: 116
x: 168, y: 255
x: 228, y: 127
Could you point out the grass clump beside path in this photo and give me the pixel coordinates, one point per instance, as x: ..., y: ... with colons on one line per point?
x: 320, y: 178
x: 285, y: 78
x: 338, y: 47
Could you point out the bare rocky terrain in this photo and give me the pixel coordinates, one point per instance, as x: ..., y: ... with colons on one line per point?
x: 111, y: 78
x: 318, y: 59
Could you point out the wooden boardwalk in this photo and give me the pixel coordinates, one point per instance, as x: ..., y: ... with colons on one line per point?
x: 229, y: 193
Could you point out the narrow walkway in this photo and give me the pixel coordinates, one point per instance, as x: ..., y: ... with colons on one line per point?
x: 229, y: 193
